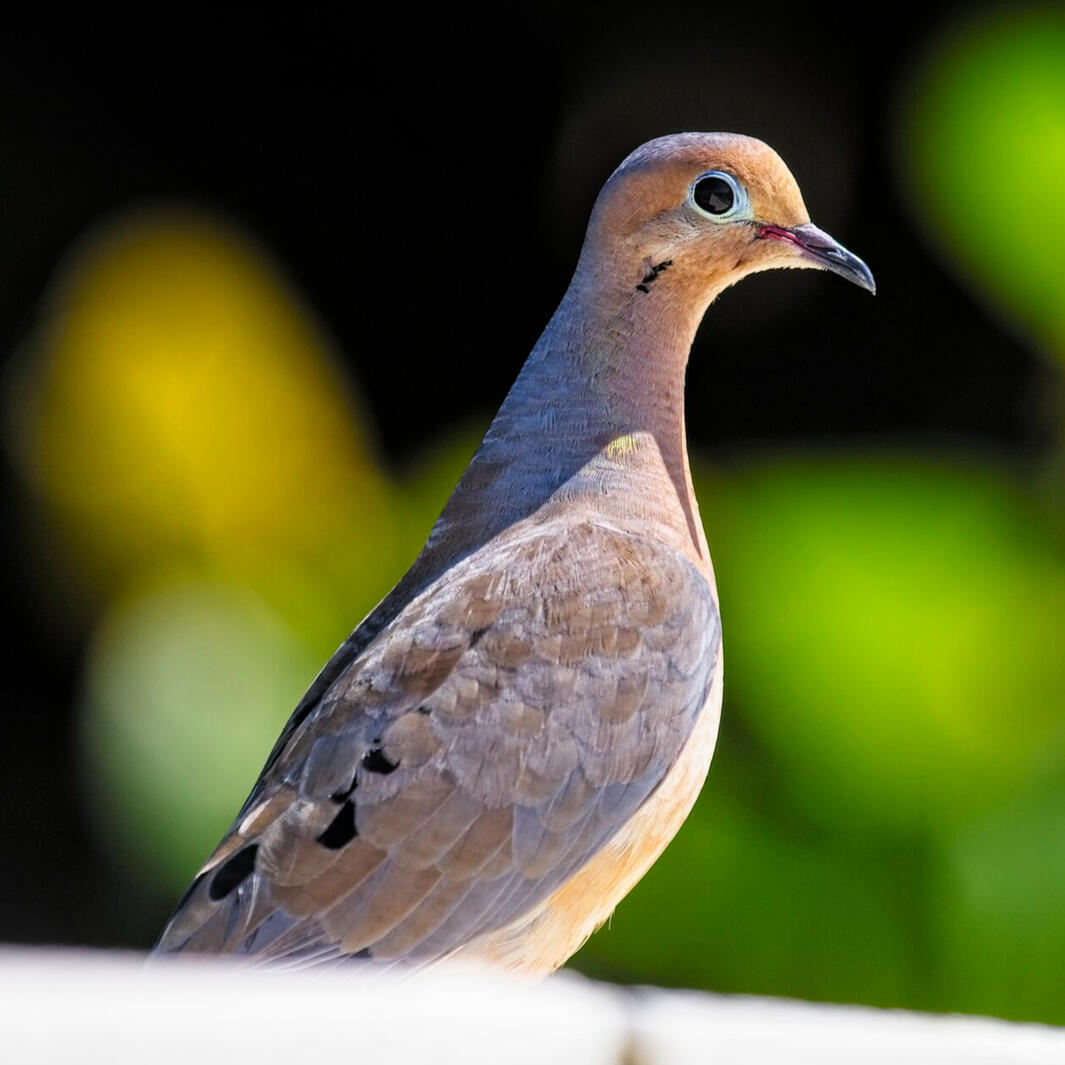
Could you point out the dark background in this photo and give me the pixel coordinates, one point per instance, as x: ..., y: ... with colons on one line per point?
x: 425, y: 180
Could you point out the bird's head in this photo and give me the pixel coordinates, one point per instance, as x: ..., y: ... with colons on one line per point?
x: 707, y: 209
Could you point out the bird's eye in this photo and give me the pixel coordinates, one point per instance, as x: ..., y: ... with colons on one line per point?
x: 719, y: 195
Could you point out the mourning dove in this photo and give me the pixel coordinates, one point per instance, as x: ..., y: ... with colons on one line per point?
x: 504, y: 746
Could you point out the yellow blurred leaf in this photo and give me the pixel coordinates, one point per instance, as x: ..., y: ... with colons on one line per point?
x: 179, y: 402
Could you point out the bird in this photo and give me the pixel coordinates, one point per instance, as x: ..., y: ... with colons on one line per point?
x: 502, y: 748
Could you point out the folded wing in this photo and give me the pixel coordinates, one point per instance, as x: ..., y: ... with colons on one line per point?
x: 471, y: 758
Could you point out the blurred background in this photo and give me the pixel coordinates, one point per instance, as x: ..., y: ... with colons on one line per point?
x: 265, y: 283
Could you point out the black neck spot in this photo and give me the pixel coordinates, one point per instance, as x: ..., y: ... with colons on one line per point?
x: 652, y: 274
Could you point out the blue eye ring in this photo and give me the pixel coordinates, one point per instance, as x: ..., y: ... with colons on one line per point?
x: 719, y: 196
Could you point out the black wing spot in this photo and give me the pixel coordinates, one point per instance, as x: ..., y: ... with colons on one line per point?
x: 374, y: 761
x: 342, y: 795
x: 475, y: 636
x: 341, y: 830
x: 233, y: 872
x: 426, y: 710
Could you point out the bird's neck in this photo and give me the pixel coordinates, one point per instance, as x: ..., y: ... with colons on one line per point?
x: 594, y: 424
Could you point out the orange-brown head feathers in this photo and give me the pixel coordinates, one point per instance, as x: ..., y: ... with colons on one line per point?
x: 714, y: 207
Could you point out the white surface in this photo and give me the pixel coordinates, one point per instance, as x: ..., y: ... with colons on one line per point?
x: 685, y: 1028
x: 97, y: 1007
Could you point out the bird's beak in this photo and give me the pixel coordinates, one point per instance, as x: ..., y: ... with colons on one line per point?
x: 817, y: 246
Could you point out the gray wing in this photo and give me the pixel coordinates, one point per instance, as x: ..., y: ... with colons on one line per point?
x: 479, y: 751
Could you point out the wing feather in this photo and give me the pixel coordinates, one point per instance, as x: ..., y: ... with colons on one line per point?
x: 472, y: 756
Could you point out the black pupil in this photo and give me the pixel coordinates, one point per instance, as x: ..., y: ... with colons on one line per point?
x: 714, y: 194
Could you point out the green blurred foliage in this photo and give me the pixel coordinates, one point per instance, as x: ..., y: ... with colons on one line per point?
x: 997, y: 911
x: 183, y: 683
x: 885, y: 819
x: 893, y: 627
x: 982, y: 155
x: 841, y: 570
x: 742, y: 902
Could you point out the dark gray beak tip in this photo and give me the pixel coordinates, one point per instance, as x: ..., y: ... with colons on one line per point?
x: 853, y: 269
x: 830, y: 255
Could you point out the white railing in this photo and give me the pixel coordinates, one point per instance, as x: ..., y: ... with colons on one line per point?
x: 73, y: 1007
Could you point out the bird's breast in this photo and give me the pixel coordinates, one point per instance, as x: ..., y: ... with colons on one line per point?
x: 544, y: 940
